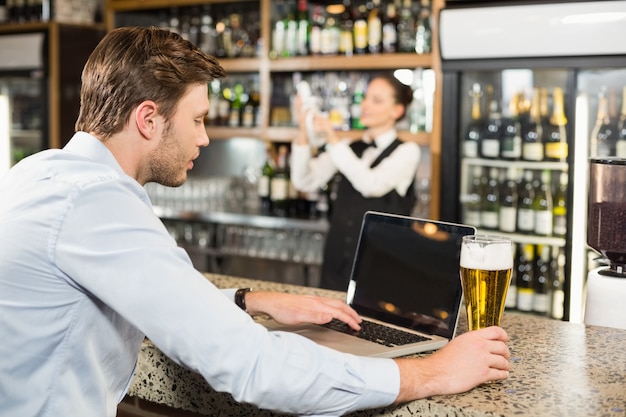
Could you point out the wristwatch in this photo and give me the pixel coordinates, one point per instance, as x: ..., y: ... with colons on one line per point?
x: 240, y: 298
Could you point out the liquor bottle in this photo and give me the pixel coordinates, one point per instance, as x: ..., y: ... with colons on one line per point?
x: 360, y: 29
x: 511, y: 146
x: 406, y: 28
x: 264, y: 183
x: 620, y: 146
x: 555, y: 290
x: 555, y: 138
x: 236, y: 105
x: 374, y: 29
x: 602, y: 135
x: 490, y: 207
x: 474, y: 197
x: 346, y: 40
x: 526, y: 279
x: 559, y: 207
x: 541, y: 302
x: 208, y: 35
x: 543, y: 205
x: 423, y: 29
x: 474, y: 131
x: 390, y: 29
x: 331, y: 34
x: 532, y: 132
x: 303, y: 28
x: 223, y: 110
x: 508, y: 202
x: 490, y: 144
x: 279, y: 185
x: 525, y: 209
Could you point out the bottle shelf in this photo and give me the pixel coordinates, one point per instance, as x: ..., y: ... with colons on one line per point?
x: 500, y: 163
x: 365, y: 61
x: 286, y: 134
x: 527, y: 239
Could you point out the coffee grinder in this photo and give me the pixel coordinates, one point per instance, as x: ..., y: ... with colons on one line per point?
x: 606, y: 233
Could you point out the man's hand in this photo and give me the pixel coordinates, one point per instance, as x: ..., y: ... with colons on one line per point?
x: 297, y: 309
x: 467, y: 361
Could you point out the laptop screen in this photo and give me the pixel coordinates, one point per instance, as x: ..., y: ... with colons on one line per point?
x: 406, y: 272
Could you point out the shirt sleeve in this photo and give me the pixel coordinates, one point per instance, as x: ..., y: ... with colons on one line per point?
x: 121, y: 254
x: 309, y: 173
x: 397, y: 171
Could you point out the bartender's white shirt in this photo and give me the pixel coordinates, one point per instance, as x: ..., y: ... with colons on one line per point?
x: 397, y: 171
x: 87, y: 269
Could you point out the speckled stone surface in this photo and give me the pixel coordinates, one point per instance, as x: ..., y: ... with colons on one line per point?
x: 557, y: 369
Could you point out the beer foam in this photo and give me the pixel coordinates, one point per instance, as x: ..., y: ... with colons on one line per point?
x: 493, y: 257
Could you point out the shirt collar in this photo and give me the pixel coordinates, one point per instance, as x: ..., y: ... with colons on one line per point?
x: 89, y: 146
x: 383, y: 140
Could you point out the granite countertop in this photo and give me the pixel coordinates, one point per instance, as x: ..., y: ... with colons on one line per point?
x: 557, y: 369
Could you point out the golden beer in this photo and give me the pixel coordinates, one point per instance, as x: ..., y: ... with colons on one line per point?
x: 485, y: 294
x: 486, y: 266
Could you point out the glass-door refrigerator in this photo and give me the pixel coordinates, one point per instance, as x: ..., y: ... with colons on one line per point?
x: 530, y: 92
x: 23, y: 94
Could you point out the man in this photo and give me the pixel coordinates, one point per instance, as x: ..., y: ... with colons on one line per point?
x: 87, y: 270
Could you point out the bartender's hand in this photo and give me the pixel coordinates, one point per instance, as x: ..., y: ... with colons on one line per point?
x: 467, y: 361
x: 296, y: 309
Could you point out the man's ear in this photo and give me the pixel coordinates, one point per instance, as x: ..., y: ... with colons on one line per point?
x: 147, y: 118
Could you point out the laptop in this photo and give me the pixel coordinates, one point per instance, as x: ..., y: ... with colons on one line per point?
x: 405, y: 277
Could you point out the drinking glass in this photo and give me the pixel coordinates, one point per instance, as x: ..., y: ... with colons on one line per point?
x: 485, y: 268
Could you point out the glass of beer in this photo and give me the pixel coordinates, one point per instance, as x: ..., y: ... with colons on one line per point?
x: 485, y: 268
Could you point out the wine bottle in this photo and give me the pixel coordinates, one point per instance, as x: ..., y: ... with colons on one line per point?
x: 490, y: 207
x: 559, y: 207
x: 620, y: 146
x: 543, y: 205
x: 360, y: 29
x: 423, y: 29
x: 474, y: 197
x: 526, y: 279
x: 346, y: 41
x: 279, y: 186
x: 303, y: 28
x: 474, y: 131
x: 390, y: 29
x: 532, y: 132
x: 542, y: 280
x: 556, y: 147
x: 315, y: 33
x: 602, y: 136
x: 525, y: 210
x: 490, y: 143
x: 264, y: 183
x: 374, y: 28
x: 556, y: 292
x: 355, y: 108
x: 508, y: 202
x: 406, y: 28
x: 511, y: 146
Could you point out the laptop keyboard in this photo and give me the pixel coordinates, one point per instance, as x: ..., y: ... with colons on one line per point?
x: 377, y: 333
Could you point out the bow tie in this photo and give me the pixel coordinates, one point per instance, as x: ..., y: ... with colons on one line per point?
x: 372, y: 144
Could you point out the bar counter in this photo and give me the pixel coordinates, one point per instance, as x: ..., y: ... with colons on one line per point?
x: 557, y: 369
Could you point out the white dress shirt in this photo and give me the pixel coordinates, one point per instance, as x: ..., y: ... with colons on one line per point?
x: 397, y: 171
x: 87, y: 269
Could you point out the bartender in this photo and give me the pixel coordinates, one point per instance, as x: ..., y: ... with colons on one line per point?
x: 376, y: 172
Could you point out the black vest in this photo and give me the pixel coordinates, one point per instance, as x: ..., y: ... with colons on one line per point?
x: 346, y: 217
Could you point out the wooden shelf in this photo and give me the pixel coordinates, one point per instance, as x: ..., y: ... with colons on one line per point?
x: 360, y: 62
